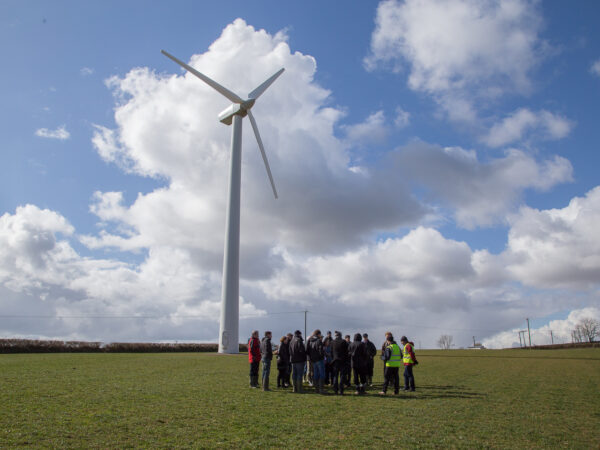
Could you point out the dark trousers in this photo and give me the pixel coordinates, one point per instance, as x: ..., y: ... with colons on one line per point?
x: 266, y: 370
x: 391, y: 376
x: 339, y: 374
x: 347, y: 374
x: 282, y: 376
x: 409, y: 379
x: 370, y: 366
x: 254, y: 369
x: 360, y: 376
x: 328, y: 373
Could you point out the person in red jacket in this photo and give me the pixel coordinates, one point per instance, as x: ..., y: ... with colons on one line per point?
x: 254, y: 358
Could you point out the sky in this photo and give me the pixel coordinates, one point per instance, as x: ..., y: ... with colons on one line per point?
x: 436, y: 164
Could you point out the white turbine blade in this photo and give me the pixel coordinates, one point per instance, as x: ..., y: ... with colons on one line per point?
x: 263, y: 87
x: 262, y: 151
x: 213, y: 84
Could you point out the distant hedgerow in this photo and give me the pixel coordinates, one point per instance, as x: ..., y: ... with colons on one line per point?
x: 41, y: 346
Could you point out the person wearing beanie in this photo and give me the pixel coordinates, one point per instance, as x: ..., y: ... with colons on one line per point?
x: 409, y: 359
x: 359, y: 360
x: 339, y: 355
x: 283, y: 360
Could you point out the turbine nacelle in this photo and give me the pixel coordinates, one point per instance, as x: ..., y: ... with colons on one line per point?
x: 241, y: 109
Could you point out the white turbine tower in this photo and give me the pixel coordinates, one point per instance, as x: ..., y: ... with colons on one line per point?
x: 229, y: 328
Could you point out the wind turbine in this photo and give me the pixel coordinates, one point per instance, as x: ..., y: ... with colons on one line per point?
x: 230, y: 294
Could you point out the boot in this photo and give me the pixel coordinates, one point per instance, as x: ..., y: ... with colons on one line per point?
x: 251, y: 381
x: 295, y: 385
x: 266, y: 384
x: 370, y: 381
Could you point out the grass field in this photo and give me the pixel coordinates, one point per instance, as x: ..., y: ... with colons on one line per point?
x: 472, y: 399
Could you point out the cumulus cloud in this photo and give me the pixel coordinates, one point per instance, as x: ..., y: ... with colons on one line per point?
x: 38, y: 262
x: 557, y: 331
x: 343, y: 242
x: 525, y: 122
x: 167, y: 127
x: 478, y: 193
x: 459, y: 51
x: 86, y: 71
x: 557, y: 247
x: 60, y: 133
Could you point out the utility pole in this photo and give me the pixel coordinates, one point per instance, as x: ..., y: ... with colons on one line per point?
x: 551, y: 337
x: 520, y: 345
x: 522, y: 332
x: 305, y: 313
x: 529, y: 332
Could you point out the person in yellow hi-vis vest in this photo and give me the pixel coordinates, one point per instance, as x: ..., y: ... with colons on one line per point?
x: 392, y: 357
x: 409, y: 360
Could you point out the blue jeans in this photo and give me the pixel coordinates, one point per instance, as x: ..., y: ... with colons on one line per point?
x: 266, y: 369
x: 409, y: 379
x: 298, y: 371
x: 318, y: 370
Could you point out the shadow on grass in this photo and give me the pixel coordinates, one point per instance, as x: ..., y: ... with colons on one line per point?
x: 424, y: 392
x: 567, y: 358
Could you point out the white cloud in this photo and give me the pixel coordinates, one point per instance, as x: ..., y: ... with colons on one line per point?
x: 86, y: 71
x: 459, y: 51
x: 60, y: 133
x: 557, y: 248
x: 167, y: 127
x: 595, y: 69
x: 561, y: 331
x: 319, y: 246
x: 478, y: 193
x: 52, y: 279
x: 524, y: 122
x: 372, y: 130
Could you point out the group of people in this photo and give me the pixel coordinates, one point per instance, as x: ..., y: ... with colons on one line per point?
x: 330, y: 360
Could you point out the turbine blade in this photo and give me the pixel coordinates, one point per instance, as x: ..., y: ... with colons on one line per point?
x: 213, y: 84
x: 263, y: 87
x: 262, y: 151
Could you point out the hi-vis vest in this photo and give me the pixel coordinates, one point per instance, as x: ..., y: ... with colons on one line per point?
x: 406, y: 355
x: 396, y: 358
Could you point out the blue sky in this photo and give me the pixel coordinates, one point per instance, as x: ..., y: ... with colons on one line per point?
x: 434, y: 159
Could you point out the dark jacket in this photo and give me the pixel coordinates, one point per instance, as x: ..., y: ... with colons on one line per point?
x: 371, y: 349
x: 358, y: 354
x: 339, y: 350
x: 297, y: 350
x: 283, y: 355
x: 266, y: 350
x: 253, y: 350
x: 314, y: 349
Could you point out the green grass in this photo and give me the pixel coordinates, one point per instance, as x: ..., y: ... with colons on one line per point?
x: 472, y: 399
